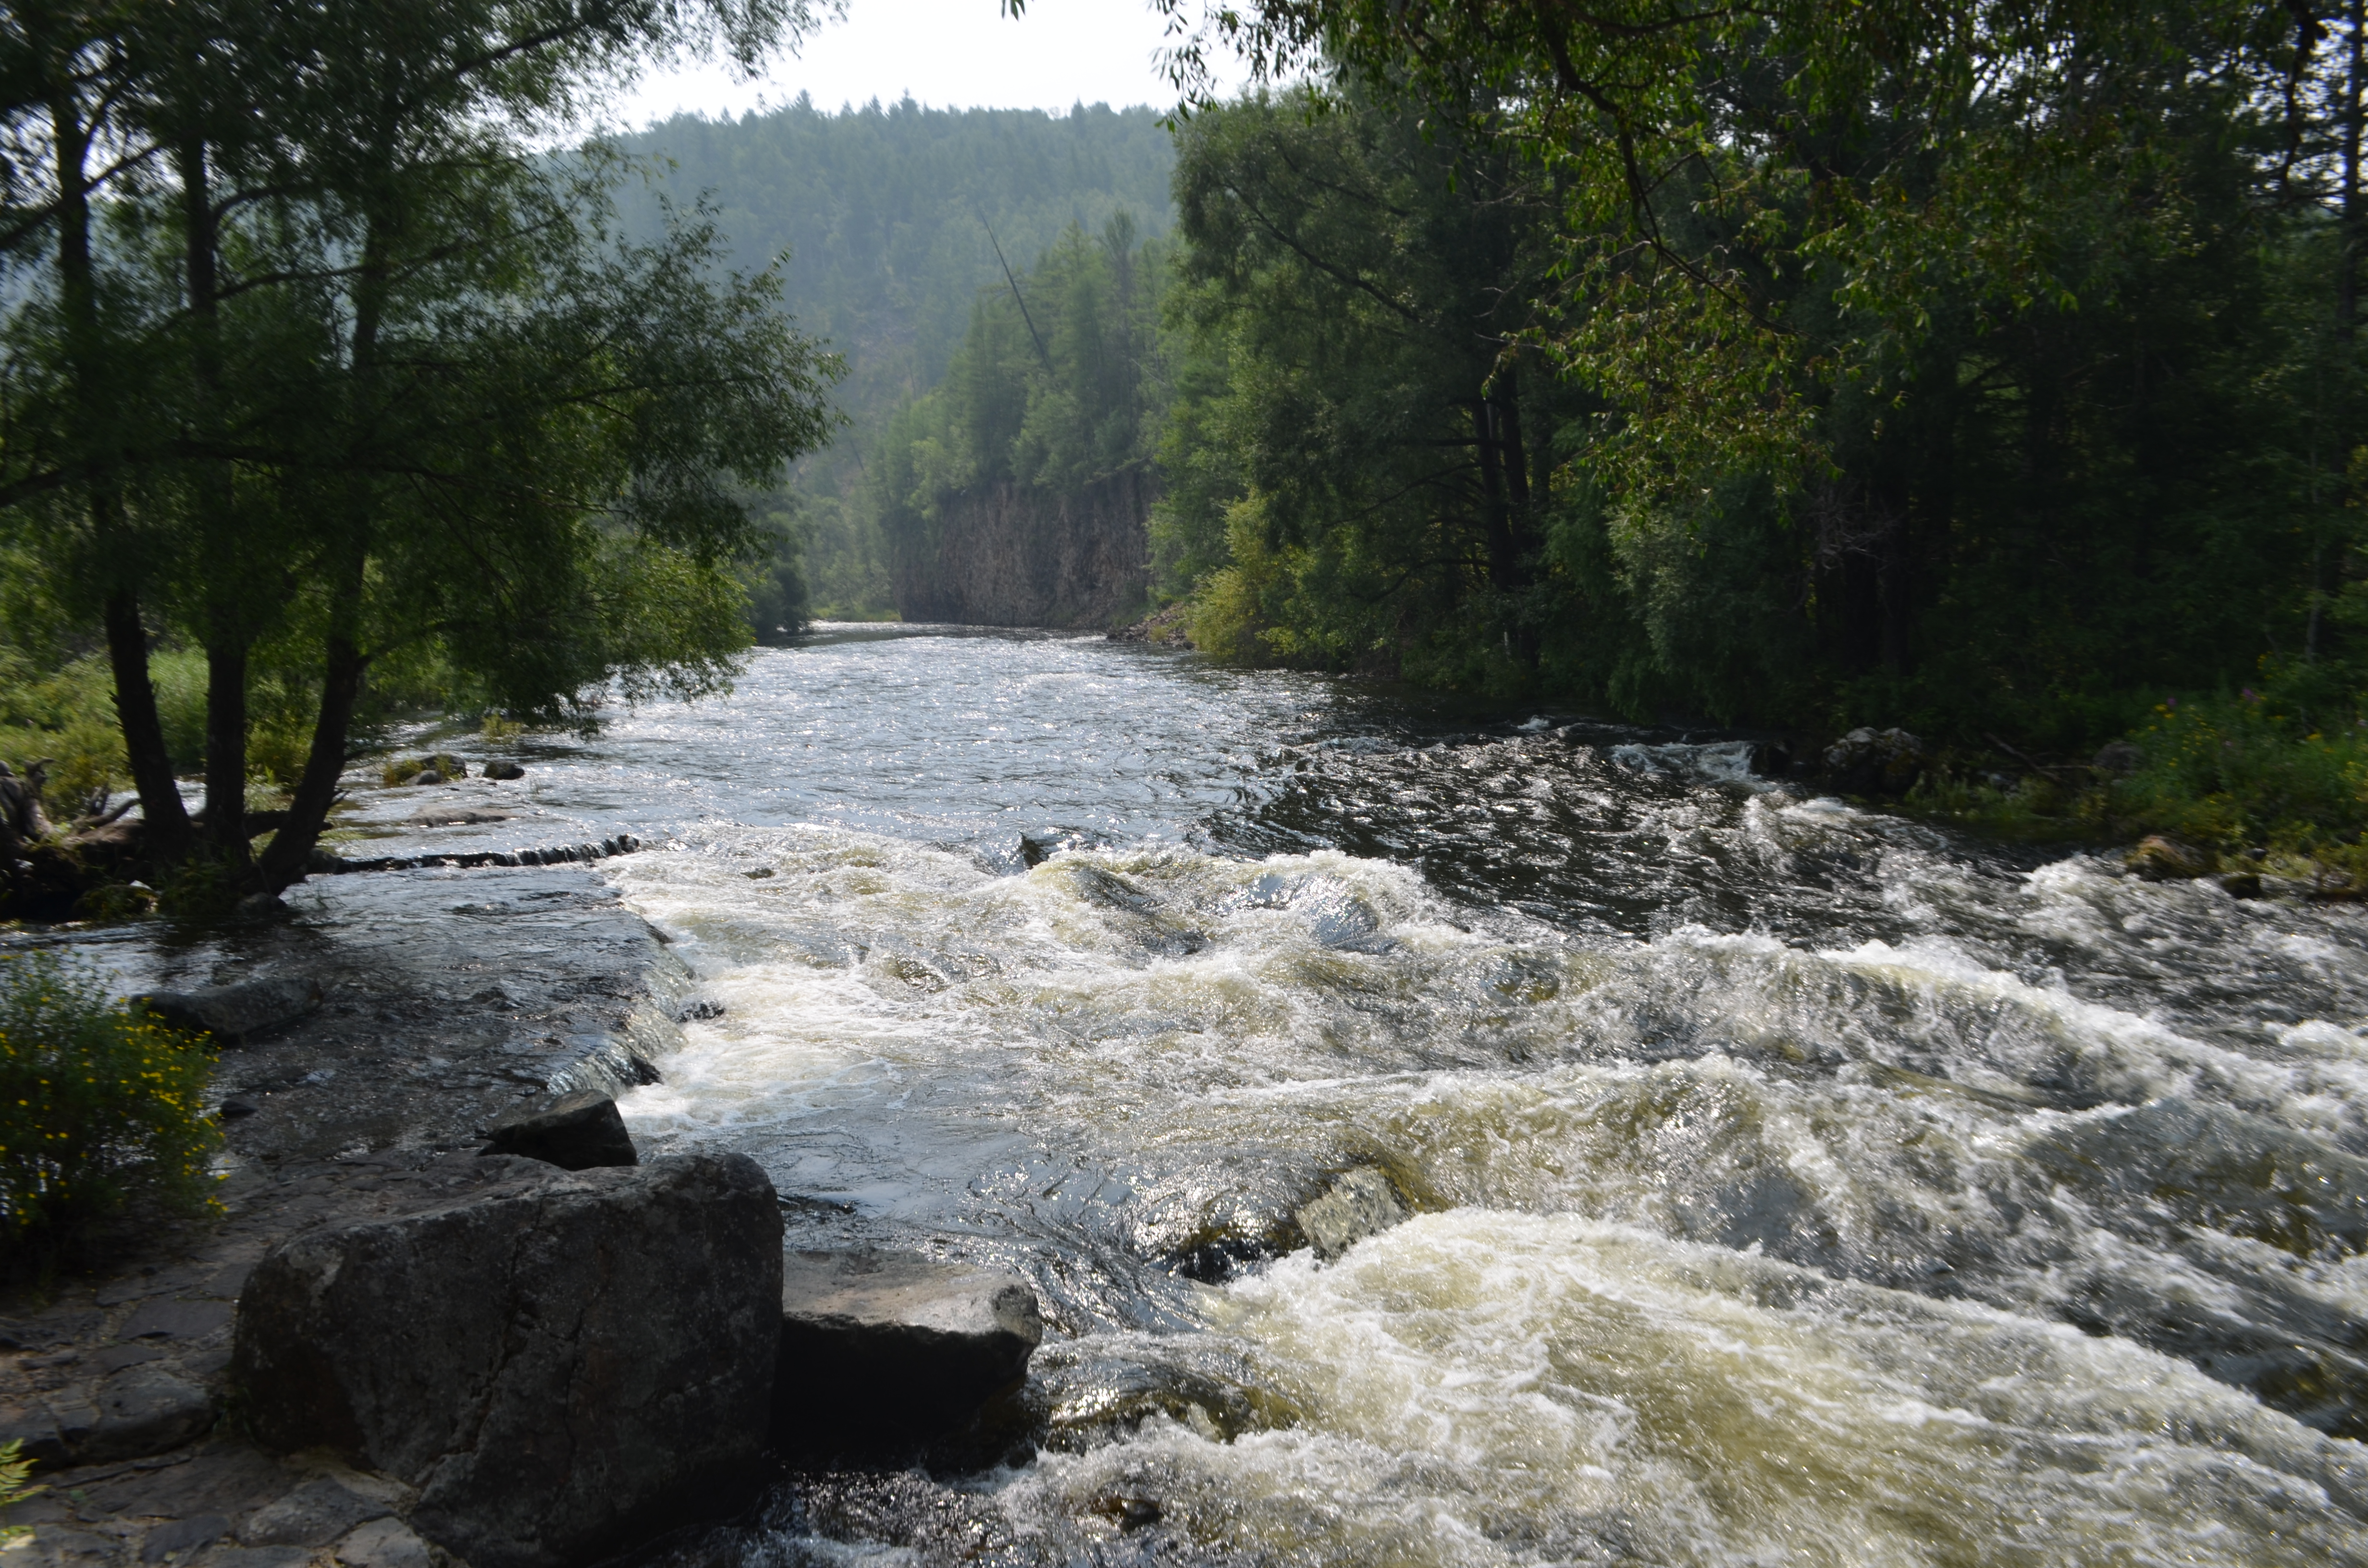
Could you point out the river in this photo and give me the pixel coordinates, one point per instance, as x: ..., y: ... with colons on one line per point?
x: 1792, y: 1183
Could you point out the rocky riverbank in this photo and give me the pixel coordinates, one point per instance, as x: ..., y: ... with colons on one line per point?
x: 392, y: 1027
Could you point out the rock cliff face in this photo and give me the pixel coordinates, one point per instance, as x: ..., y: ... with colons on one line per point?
x: 1015, y: 555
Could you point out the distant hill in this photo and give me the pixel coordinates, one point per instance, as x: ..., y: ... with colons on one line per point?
x: 885, y: 211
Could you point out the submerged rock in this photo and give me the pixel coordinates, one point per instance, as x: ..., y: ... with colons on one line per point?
x: 576, y: 1131
x: 1361, y: 1203
x: 455, y: 817
x: 561, y: 1363
x: 234, y: 1013
x: 501, y: 770
x: 880, y: 1348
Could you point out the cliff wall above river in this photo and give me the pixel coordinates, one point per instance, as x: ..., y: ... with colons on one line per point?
x: 1018, y: 555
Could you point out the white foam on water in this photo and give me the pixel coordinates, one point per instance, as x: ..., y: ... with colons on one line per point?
x: 1489, y: 1389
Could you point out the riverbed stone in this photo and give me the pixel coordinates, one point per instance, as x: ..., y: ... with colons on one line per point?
x: 501, y: 770
x: 889, y: 1346
x: 576, y: 1131
x: 234, y: 1013
x: 1361, y: 1203
x: 560, y: 1362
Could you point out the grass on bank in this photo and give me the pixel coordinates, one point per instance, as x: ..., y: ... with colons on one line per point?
x: 101, y: 1112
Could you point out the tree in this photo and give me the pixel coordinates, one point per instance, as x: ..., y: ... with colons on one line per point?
x: 1367, y: 281
x: 349, y: 332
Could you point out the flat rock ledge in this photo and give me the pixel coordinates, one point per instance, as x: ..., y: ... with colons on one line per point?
x: 882, y: 1349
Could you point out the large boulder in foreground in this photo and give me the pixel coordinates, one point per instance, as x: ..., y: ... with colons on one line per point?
x: 560, y: 1362
x: 888, y: 1347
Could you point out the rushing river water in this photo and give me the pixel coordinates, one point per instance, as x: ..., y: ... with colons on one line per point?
x: 1792, y: 1183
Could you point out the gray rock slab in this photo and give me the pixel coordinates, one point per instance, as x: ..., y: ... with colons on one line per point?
x: 177, y: 1538
x: 137, y: 1411
x: 55, y: 1546
x: 234, y: 1013
x: 166, y: 1317
x: 314, y: 1514
x: 562, y: 1363
x: 255, y: 1557
x: 577, y: 1131
x: 385, y: 1543
x: 222, y: 1477
x: 889, y: 1346
x: 1361, y: 1203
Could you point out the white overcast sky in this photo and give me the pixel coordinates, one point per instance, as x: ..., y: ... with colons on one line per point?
x: 947, y: 53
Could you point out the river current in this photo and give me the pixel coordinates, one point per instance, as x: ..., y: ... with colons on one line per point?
x: 1792, y: 1183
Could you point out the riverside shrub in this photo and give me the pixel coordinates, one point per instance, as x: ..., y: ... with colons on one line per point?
x: 2250, y: 769
x: 101, y: 1108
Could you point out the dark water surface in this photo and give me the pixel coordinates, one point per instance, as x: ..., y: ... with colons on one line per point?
x: 1796, y: 1184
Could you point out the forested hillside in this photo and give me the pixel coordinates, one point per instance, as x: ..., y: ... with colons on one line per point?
x: 892, y: 216
x: 1055, y: 390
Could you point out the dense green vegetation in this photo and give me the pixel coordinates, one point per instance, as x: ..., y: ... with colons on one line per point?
x: 892, y: 219
x: 317, y: 369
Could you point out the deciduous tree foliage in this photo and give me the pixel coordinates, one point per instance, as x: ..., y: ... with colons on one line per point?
x: 308, y: 352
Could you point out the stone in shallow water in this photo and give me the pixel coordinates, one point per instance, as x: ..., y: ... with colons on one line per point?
x: 880, y: 1348
x: 1360, y: 1204
x: 562, y: 1363
x: 576, y: 1131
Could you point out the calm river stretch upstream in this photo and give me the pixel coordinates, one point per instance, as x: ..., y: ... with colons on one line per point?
x: 1792, y: 1183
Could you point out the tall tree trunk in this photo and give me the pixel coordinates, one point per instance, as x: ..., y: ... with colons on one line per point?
x: 226, y: 750
x: 167, y: 821
x: 286, y: 858
x: 1495, y: 520
x: 228, y: 635
x: 166, y: 835
x: 2347, y: 276
x: 344, y: 666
